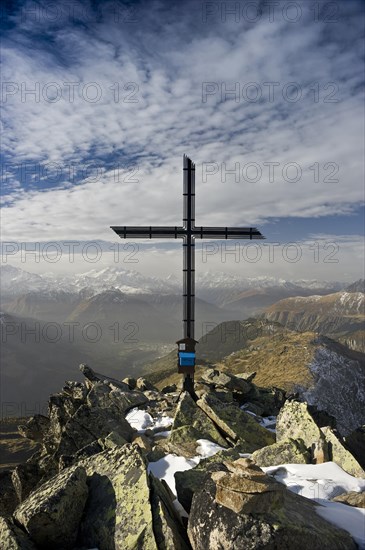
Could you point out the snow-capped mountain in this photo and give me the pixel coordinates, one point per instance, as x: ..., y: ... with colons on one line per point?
x: 16, y: 281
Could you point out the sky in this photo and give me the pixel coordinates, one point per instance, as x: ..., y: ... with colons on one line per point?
x: 100, y: 100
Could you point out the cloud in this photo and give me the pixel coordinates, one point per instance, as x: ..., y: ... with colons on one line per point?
x: 138, y: 101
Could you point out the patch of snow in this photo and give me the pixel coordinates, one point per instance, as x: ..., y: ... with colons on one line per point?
x: 321, y: 482
x: 140, y: 420
x: 166, y: 467
x: 163, y: 421
x: 207, y: 448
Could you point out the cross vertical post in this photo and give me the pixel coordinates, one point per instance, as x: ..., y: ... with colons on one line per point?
x: 188, y: 232
x: 189, y: 260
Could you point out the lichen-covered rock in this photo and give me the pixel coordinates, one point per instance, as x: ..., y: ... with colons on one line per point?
x: 352, y: 498
x: 35, y: 428
x: 244, y: 508
x: 51, y: 514
x: 142, y: 442
x: 355, y: 442
x: 110, y: 396
x: 131, y: 382
x: 340, y: 455
x: 118, y: 512
x: 88, y: 424
x: 224, y: 380
x: 236, y: 424
x: 191, y: 424
x: 295, y: 421
x: 8, y: 496
x: 142, y: 384
x: 13, y: 538
x: 287, y: 451
x: 168, y: 529
x: 25, y: 478
x: 94, y: 377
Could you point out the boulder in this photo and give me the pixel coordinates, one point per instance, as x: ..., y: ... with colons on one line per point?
x: 89, y: 424
x: 247, y: 376
x: 191, y: 424
x: 35, y: 428
x: 13, y: 538
x: 109, y: 396
x: 340, y: 455
x: 142, y: 384
x: 114, y: 439
x: 244, y: 508
x: 189, y: 481
x: 224, y: 380
x: 352, y: 498
x: 287, y: 451
x: 142, y: 442
x: 51, y: 514
x: 131, y: 382
x: 236, y: 424
x: 168, y: 528
x: 25, y: 478
x: 172, y: 388
x: 8, y: 496
x: 118, y: 512
x: 295, y: 422
x: 94, y: 377
x: 355, y: 443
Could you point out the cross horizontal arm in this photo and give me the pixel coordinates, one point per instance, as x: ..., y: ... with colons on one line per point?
x: 149, y: 232
x: 227, y: 233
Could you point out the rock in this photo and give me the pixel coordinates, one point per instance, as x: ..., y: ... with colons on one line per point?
x: 13, y: 538
x: 144, y: 385
x: 107, y: 396
x: 168, y: 528
x: 236, y: 424
x: 352, y: 499
x: 94, y: 377
x: 340, y: 455
x: 191, y: 424
x: 190, y: 481
x: 187, y: 483
x: 248, y: 376
x: 131, y: 382
x: 114, y: 439
x: 88, y: 424
x: 287, y: 451
x: 270, y: 399
x: 26, y: 477
x: 355, y: 443
x: 253, y: 407
x: 118, y: 512
x: 35, y: 427
x: 225, y: 380
x: 172, y: 388
x: 8, y: 496
x: 52, y: 513
x: 295, y: 422
x: 183, y: 441
x: 251, y: 510
x: 142, y: 442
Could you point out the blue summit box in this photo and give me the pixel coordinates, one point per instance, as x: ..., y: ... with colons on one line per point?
x: 186, y: 359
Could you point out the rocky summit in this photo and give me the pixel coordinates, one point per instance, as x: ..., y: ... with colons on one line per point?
x: 121, y: 465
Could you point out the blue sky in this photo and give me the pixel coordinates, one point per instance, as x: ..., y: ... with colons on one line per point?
x: 101, y: 100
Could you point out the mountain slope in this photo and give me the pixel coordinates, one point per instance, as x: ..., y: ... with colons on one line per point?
x: 321, y: 370
x: 340, y: 315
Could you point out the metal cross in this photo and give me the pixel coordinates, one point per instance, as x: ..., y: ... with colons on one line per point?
x: 188, y: 232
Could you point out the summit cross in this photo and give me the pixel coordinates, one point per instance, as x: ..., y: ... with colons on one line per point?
x: 188, y: 232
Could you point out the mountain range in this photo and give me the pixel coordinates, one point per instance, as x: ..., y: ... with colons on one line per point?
x: 121, y: 320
